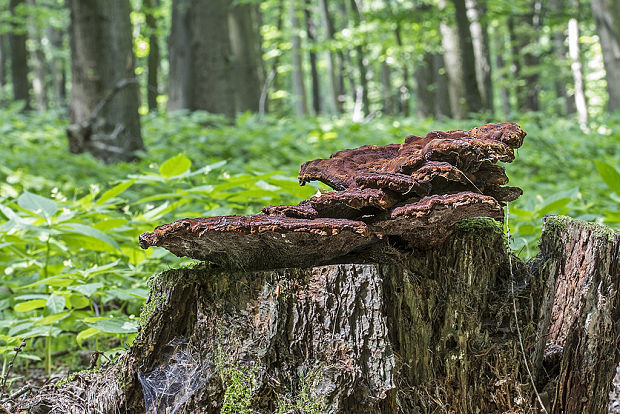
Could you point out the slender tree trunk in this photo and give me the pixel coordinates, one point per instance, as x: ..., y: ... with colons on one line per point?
x: 442, y: 94
x: 201, y: 75
x: 314, y: 73
x: 559, y: 47
x: 404, y: 87
x: 575, y: 58
x: 347, y: 62
x: 503, y: 75
x: 152, y: 65
x: 454, y: 67
x: 477, y: 13
x: 473, y: 100
x: 299, y: 88
x: 272, y: 77
x: 58, y: 65
x: 19, y: 57
x: 425, y: 86
x: 387, y: 91
x: 104, y: 94
x: 245, y: 37
x: 333, y: 61
x: 523, y: 36
x: 607, y: 18
x: 361, y: 60
x: 3, y: 60
x: 39, y: 64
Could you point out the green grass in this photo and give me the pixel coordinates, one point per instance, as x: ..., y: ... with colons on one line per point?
x: 73, y: 275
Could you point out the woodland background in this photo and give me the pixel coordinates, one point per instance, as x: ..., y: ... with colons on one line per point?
x: 208, y: 107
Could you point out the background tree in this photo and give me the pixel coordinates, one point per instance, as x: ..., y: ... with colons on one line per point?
x: 19, y: 54
x: 201, y: 75
x: 607, y: 18
x: 104, y: 92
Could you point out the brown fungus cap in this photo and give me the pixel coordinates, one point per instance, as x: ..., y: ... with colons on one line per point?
x: 410, y: 195
x: 261, y: 241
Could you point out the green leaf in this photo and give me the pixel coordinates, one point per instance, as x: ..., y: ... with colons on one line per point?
x: 36, y: 204
x: 55, y: 303
x: 87, y: 289
x: 50, y: 319
x: 90, y: 232
x: 30, y: 305
x: 85, y: 334
x: 175, y: 166
x: 114, y: 191
x: 610, y: 175
x: 115, y: 325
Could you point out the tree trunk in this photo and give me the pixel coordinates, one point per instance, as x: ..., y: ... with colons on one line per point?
x: 299, y: 88
x: 607, y: 18
x: 200, y: 57
x: 502, y: 70
x: 575, y: 58
x: 441, y: 82
x: 247, y: 53
x: 425, y: 86
x: 39, y: 64
x: 403, y: 332
x: 333, y: 61
x: 473, y: 100
x: 477, y: 13
x: 272, y: 77
x: 104, y: 93
x: 59, y: 69
x: 314, y: 73
x: 559, y: 47
x: 404, y: 88
x: 361, y: 62
x: 19, y: 56
x: 523, y: 37
x: 3, y: 60
x: 152, y: 64
x: 387, y: 91
x: 454, y: 68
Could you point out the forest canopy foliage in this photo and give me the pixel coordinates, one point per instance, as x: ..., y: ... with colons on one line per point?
x: 326, y: 76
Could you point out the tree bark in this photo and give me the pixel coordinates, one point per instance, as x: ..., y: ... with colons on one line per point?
x: 19, y: 56
x: 333, y: 61
x: 59, y: 69
x: 361, y: 61
x: 464, y: 325
x: 387, y: 91
x: 201, y: 73
x: 152, y: 64
x: 441, y: 82
x: 245, y: 39
x: 299, y: 87
x: 477, y: 14
x: 314, y: 73
x: 404, y: 88
x: 559, y: 37
x: 575, y: 59
x: 473, y: 100
x: 425, y: 86
x: 104, y: 94
x: 39, y: 63
x: 454, y: 68
x: 607, y: 18
x: 3, y: 60
x: 503, y: 74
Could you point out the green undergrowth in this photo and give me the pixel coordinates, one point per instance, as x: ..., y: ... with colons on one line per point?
x: 73, y: 275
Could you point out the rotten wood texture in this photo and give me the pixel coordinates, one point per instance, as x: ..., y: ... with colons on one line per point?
x: 582, y: 261
x: 407, y: 331
x: 435, y: 181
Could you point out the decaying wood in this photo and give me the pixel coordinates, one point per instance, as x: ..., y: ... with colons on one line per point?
x: 414, y: 331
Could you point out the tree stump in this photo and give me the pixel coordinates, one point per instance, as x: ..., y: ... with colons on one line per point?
x: 408, y: 331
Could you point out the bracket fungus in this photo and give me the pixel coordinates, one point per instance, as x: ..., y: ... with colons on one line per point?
x: 411, y: 194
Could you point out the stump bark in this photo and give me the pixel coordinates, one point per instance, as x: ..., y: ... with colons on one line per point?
x: 393, y: 331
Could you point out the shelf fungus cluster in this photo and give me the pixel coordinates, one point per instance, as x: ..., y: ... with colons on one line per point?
x: 410, y: 195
